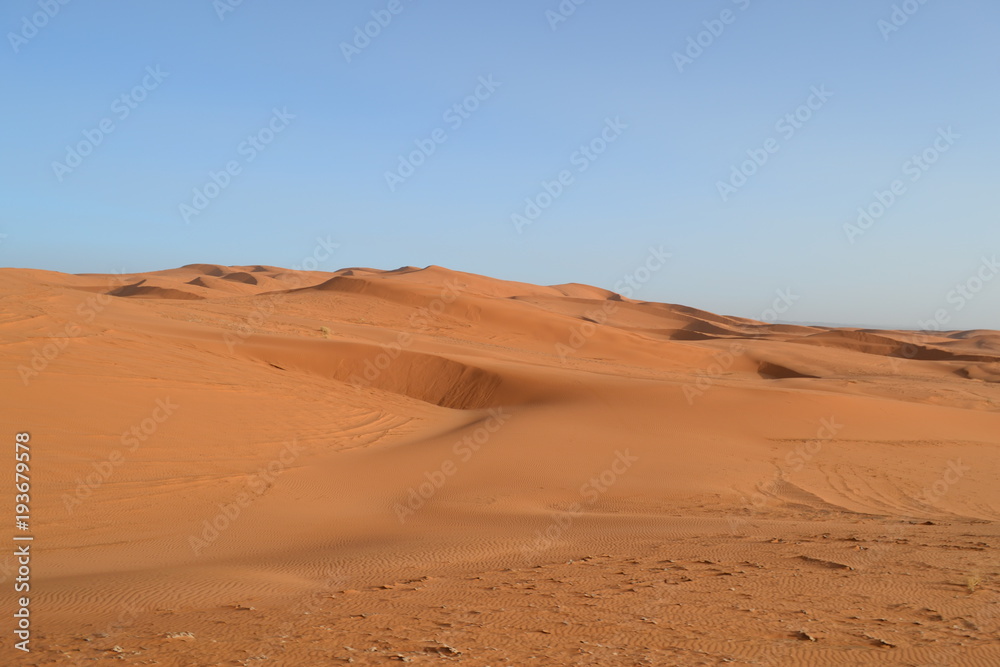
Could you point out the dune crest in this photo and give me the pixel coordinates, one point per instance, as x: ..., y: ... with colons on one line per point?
x: 434, y: 465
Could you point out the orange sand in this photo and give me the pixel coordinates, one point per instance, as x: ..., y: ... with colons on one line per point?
x: 257, y: 466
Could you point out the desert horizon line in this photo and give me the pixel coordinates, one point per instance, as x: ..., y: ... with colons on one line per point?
x: 930, y: 326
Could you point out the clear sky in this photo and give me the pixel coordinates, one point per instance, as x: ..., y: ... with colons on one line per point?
x: 117, y: 116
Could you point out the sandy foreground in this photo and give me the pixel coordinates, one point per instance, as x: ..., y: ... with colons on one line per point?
x: 258, y: 466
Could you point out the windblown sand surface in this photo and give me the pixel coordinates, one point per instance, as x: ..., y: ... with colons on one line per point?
x: 257, y: 466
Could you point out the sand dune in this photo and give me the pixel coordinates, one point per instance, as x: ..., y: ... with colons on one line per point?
x: 255, y: 465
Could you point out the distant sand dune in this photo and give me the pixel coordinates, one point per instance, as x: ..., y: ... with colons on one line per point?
x: 433, y: 465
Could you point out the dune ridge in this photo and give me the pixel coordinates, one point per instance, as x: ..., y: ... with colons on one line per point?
x: 428, y: 464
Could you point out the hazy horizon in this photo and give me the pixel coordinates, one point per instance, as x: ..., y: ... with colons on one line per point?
x: 766, y: 315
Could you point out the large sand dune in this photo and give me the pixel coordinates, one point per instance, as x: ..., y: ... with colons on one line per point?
x: 253, y: 466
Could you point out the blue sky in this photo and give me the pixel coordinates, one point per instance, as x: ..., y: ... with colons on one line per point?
x: 309, y: 129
